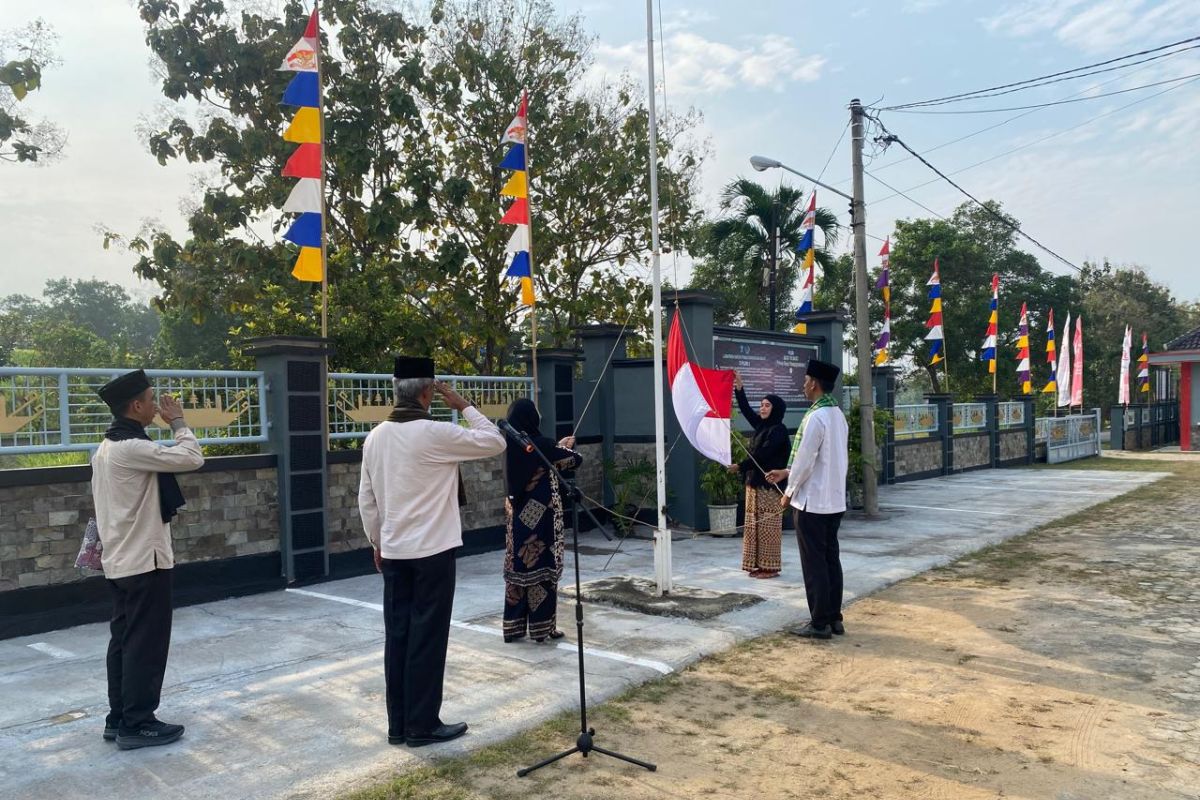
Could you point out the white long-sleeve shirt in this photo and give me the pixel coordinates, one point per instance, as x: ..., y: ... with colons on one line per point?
x: 408, y: 490
x: 125, y: 491
x: 817, y: 481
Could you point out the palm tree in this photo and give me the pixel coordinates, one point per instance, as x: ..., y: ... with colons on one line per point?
x: 735, y: 250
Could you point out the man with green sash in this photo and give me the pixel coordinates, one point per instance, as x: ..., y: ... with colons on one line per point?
x: 816, y: 491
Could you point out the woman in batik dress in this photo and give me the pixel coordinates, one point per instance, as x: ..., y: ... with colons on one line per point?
x: 762, y: 538
x: 533, y: 550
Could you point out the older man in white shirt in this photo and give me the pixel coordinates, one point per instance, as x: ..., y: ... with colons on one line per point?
x: 816, y: 491
x: 409, y: 496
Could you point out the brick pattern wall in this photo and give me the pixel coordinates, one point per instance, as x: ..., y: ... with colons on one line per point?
x: 590, y: 475
x: 918, y: 457
x: 229, y: 513
x: 972, y: 451
x: 1012, y: 445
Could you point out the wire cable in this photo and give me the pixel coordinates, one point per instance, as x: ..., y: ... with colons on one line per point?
x: 968, y: 95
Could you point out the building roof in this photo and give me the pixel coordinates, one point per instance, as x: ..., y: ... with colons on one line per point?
x: 1189, y: 341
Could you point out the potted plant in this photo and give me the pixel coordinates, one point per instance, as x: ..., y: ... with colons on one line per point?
x: 632, y: 483
x: 723, y: 488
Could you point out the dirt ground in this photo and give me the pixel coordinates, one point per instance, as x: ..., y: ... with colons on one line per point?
x: 1064, y: 664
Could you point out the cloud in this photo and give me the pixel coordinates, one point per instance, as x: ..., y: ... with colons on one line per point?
x: 920, y: 6
x: 1097, y: 26
x: 685, y: 18
x: 697, y: 65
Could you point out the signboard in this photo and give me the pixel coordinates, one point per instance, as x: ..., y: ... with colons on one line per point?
x: 766, y: 366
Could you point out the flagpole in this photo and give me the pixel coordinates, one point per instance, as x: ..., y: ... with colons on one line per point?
x: 529, y: 202
x: 662, y: 537
x: 321, y: 122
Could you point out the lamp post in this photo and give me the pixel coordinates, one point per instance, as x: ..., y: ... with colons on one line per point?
x: 862, y: 324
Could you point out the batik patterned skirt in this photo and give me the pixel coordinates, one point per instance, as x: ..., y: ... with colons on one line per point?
x: 762, y: 540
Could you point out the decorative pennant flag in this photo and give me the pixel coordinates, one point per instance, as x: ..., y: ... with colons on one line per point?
x: 517, y: 187
x: 702, y: 398
x: 1023, y: 370
x: 515, y: 132
x: 807, y: 249
x: 1063, y: 378
x: 1052, y: 385
x: 884, y: 285
x: 303, y: 55
x: 988, y: 353
x: 1077, y: 367
x: 1126, y: 346
x: 305, y: 127
x: 1143, y: 376
x: 936, y: 336
x: 307, y: 161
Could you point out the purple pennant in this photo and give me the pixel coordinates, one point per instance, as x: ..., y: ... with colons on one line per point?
x: 883, y: 279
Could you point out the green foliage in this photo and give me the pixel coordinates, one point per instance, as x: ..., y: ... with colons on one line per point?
x: 632, y: 483
x: 23, y: 138
x: 415, y: 103
x: 856, y: 462
x: 721, y: 486
x: 733, y: 252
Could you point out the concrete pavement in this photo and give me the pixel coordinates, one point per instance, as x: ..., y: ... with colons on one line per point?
x: 282, y: 693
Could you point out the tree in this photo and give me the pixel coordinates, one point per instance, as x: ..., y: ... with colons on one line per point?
x: 25, y: 54
x: 734, y: 252
x: 414, y: 112
x: 970, y: 246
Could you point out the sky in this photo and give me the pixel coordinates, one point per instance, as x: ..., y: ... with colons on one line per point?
x: 1091, y: 180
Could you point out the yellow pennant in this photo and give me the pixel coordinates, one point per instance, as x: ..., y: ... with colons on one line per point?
x: 308, y: 265
x: 516, y: 186
x: 800, y: 327
x: 305, y: 127
x: 527, y: 291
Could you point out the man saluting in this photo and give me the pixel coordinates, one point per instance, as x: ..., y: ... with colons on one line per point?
x: 136, y: 496
x: 816, y: 491
x: 409, y: 496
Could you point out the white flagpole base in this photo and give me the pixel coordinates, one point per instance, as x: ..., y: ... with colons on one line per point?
x: 662, y: 561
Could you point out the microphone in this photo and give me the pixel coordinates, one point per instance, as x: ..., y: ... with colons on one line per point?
x: 517, y: 436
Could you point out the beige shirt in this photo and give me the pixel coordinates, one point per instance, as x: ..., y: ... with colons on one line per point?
x: 125, y: 491
x: 408, y: 491
x: 817, y: 481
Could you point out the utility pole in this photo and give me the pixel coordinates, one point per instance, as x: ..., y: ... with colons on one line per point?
x: 862, y: 322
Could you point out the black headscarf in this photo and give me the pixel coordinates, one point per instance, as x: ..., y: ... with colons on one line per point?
x: 762, y: 428
x: 170, y: 496
x: 519, y: 466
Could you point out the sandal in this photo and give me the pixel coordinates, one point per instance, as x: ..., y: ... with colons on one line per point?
x: 516, y: 638
x: 556, y: 634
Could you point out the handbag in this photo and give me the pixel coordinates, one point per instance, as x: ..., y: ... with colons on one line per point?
x: 91, y: 549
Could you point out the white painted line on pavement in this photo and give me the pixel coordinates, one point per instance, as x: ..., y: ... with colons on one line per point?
x: 1027, y: 489
x: 657, y: 666
x: 51, y: 650
x: 954, y: 510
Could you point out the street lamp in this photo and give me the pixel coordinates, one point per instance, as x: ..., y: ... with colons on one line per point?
x: 861, y: 318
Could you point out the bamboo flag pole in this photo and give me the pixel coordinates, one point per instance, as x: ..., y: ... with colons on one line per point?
x: 532, y: 306
x: 324, y: 209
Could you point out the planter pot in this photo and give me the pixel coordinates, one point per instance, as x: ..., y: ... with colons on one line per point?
x: 722, y: 520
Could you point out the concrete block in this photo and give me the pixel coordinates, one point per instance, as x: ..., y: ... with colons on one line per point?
x: 63, y: 518
x: 48, y: 534
x: 33, y: 579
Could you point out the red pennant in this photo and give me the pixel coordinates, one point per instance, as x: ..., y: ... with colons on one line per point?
x: 517, y: 214
x: 304, y: 163
x: 310, y: 32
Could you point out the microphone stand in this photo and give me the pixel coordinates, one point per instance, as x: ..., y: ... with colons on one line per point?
x: 585, y: 743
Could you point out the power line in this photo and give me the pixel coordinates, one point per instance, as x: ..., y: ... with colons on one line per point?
x: 1034, y: 142
x: 833, y: 152
x: 1064, y: 101
x: 897, y: 192
x: 967, y: 95
x: 891, y: 137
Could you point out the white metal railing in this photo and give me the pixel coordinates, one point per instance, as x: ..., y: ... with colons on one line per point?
x: 1011, y: 414
x: 51, y: 410
x: 360, y: 400
x: 915, y: 420
x: 970, y: 416
x: 1071, y: 437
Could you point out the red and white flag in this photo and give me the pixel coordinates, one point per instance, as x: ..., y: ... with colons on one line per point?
x: 1077, y: 379
x: 304, y: 53
x: 703, y: 399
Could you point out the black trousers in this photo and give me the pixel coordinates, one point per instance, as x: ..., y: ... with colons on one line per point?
x: 418, y: 597
x: 821, y: 561
x: 137, y: 650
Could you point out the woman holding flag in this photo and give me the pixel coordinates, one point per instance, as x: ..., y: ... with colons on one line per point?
x: 762, y: 538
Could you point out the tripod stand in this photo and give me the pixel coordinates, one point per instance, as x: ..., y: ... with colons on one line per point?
x: 585, y: 744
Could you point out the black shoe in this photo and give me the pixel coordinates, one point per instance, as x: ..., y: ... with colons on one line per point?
x: 110, y: 733
x: 152, y: 734
x: 838, y: 628
x: 396, y: 739
x: 810, y: 631
x: 442, y: 733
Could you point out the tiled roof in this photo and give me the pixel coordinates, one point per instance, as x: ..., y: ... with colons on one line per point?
x: 1189, y: 341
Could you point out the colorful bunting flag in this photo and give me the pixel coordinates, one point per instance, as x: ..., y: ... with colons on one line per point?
x: 884, y: 285
x: 1063, y: 379
x: 808, y: 251
x: 1077, y: 367
x: 1052, y: 385
x: 1123, y: 387
x: 307, y: 161
x: 1023, y: 369
x: 936, y: 336
x: 988, y: 352
x: 517, y: 187
x: 1143, y: 376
